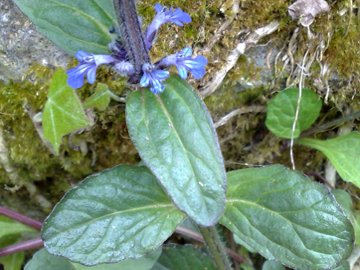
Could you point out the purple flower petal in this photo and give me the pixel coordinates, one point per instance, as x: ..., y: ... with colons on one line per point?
x: 88, y: 64
x: 153, y: 78
x: 184, y: 63
x: 164, y: 15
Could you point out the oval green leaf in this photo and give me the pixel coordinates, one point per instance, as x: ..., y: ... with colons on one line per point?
x: 114, y: 215
x: 287, y: 217
x: 175, y: 137
x: 281, y: 112
x: 343, y: 152
x: 63, y: 112
x: 73, y: 25
x: 176, y: 257
x: 43, y: 260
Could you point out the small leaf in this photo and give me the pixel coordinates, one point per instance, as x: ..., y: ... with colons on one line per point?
x: 281, y: 112
x: 343, y: 152
x: 43, y: 260
x: 13, y: 262
x: 286, y: 217
x: 73, y: 25
x: 176, y: 257
x: 63, y: 112
x: 9, y: 227
x: 344, y: 199
x: 117, y: 214
x: 272, y: 265
x: 100, y: 99
x: 175, y: 137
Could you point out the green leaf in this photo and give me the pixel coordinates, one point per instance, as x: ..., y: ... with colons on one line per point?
x: 356, y: 225
x: 117, y: 214
x: 10, y: 227
x: 343, y: 266
x: 240, y: 242
x: 73, y: 25
x: 45, y: 261
x: 13, y: 262
x: 175, y: 137
x: 343, y: 152
x: 287, y: 217
x: 344, y: 199
x: 281, y: 112
x: 176, y: 257
x: 272, y: 265
x: 63, y: 112
x: 100, y: 99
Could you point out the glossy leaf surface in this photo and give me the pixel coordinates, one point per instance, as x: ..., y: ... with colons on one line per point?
x: 176, y: 257
x: 63, y: 112
x: 344, y: 199
x: 117, y: 214
x: 43, y: 260
x: 175, y: 137
x: 73, y: 25
x: 286, y: 217
x: 343, y: 152
x: 281, y: 112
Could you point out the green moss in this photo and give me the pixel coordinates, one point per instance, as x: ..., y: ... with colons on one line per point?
x: 101, y: 146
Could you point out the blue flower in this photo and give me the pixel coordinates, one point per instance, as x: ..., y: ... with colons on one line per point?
x: 184, y: 62
x: 164, y: 15
x: 153, y: 77
x: 88, y: 64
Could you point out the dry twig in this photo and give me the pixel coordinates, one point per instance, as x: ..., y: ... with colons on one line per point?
x: 252, y: 39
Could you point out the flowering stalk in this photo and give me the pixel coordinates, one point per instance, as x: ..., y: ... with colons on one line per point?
x: 133, y: 41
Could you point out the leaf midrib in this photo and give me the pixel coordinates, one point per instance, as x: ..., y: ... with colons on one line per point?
x: 114, y: 214
x: 233, y: 201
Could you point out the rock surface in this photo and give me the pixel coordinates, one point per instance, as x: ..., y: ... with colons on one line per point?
x: 21, y: 45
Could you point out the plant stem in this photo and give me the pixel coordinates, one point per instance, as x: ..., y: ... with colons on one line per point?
x: 25, y: 245
x: 331, y: 124
x: 216, y: 247
x: 116, y: 97
x: 132, y: 36
x: 197, y: 237
x: 21, y: 218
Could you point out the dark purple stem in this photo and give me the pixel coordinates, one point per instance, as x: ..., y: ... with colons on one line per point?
x: 26, y: 245
x: 21, y: 218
